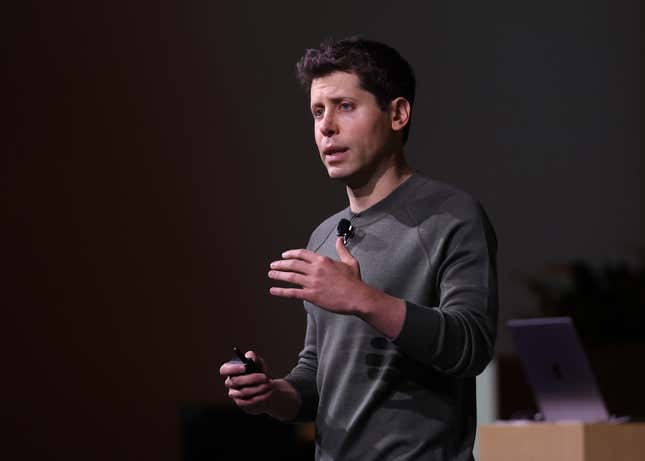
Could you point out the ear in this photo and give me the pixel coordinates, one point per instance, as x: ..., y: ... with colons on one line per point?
x: 399, y: 113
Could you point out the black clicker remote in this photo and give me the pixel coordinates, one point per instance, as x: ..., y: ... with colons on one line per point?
x: 249, y: 365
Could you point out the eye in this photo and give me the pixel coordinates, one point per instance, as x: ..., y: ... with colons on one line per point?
x: 345, y: 106
x: 317, y: 112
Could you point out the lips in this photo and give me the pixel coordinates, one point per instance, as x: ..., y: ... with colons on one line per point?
x: 334, y: 150
x: 334, y: 154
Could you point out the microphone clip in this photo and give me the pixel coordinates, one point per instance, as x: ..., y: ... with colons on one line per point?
x: 345, y: 230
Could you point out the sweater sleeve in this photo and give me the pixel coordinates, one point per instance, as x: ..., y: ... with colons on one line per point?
x: 303, y: 376
x: 456, y: 337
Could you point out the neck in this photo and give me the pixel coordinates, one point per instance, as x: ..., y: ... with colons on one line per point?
x: 379, y: 185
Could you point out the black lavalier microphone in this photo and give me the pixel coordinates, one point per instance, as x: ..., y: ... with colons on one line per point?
x: 345, y: 230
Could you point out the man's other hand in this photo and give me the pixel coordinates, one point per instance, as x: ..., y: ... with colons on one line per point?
x: 257, y: 393
x: 249, y: 392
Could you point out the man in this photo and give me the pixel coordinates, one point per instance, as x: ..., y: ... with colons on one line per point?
x: 402, y: 318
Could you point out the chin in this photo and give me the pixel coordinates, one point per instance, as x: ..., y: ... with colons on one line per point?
x: 337, y: 173
x: 348, y: 178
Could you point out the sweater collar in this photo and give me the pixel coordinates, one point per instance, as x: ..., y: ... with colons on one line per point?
x: 385, y: 206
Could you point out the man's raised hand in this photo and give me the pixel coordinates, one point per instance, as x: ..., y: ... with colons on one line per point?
x: 332, y: 285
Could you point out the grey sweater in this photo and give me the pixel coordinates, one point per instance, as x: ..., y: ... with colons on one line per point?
x: 412, y: 398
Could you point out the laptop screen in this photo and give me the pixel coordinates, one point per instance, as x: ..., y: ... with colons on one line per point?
x: 558, y: 369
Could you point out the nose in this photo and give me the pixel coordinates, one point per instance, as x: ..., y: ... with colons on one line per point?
x: 327, y: 125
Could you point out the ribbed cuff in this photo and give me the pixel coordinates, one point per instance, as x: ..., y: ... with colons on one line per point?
x: 421, y: 332
x: 308, y: 398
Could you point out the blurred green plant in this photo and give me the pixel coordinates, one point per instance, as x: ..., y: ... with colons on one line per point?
x: 606, y: 303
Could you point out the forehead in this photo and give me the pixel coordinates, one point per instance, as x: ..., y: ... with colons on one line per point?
x: 336, y: 85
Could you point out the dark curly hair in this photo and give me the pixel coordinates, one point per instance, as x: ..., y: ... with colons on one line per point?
x: 380, y: 68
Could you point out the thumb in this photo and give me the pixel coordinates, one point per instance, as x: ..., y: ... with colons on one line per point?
x: 343, y: 252
x: 259, y: 361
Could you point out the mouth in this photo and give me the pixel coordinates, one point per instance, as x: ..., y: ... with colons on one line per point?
x: 334, y: 153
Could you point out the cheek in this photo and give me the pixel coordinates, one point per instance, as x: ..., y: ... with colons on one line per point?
x: 372, y: 135
x: 317, y: 136
x: 369, y: 122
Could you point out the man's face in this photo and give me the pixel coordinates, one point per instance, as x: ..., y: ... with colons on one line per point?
x: 352, y: 132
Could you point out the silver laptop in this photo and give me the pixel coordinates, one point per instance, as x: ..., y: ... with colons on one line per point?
x: 558, y: 370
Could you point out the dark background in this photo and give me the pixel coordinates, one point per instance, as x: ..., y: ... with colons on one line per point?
x: 160, y: 155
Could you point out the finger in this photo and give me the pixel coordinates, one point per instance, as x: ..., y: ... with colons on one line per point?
x: 231, y: 368
x: 258, y: 360
x: 291, y: 265
x: 290, y: 277
x: 304, y: 255
x: 254, y: 408
x: 297, y: 293
x: 343, y: 252
x: 239, y: 381
x: 254, y: 404
x: 248, y: 392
